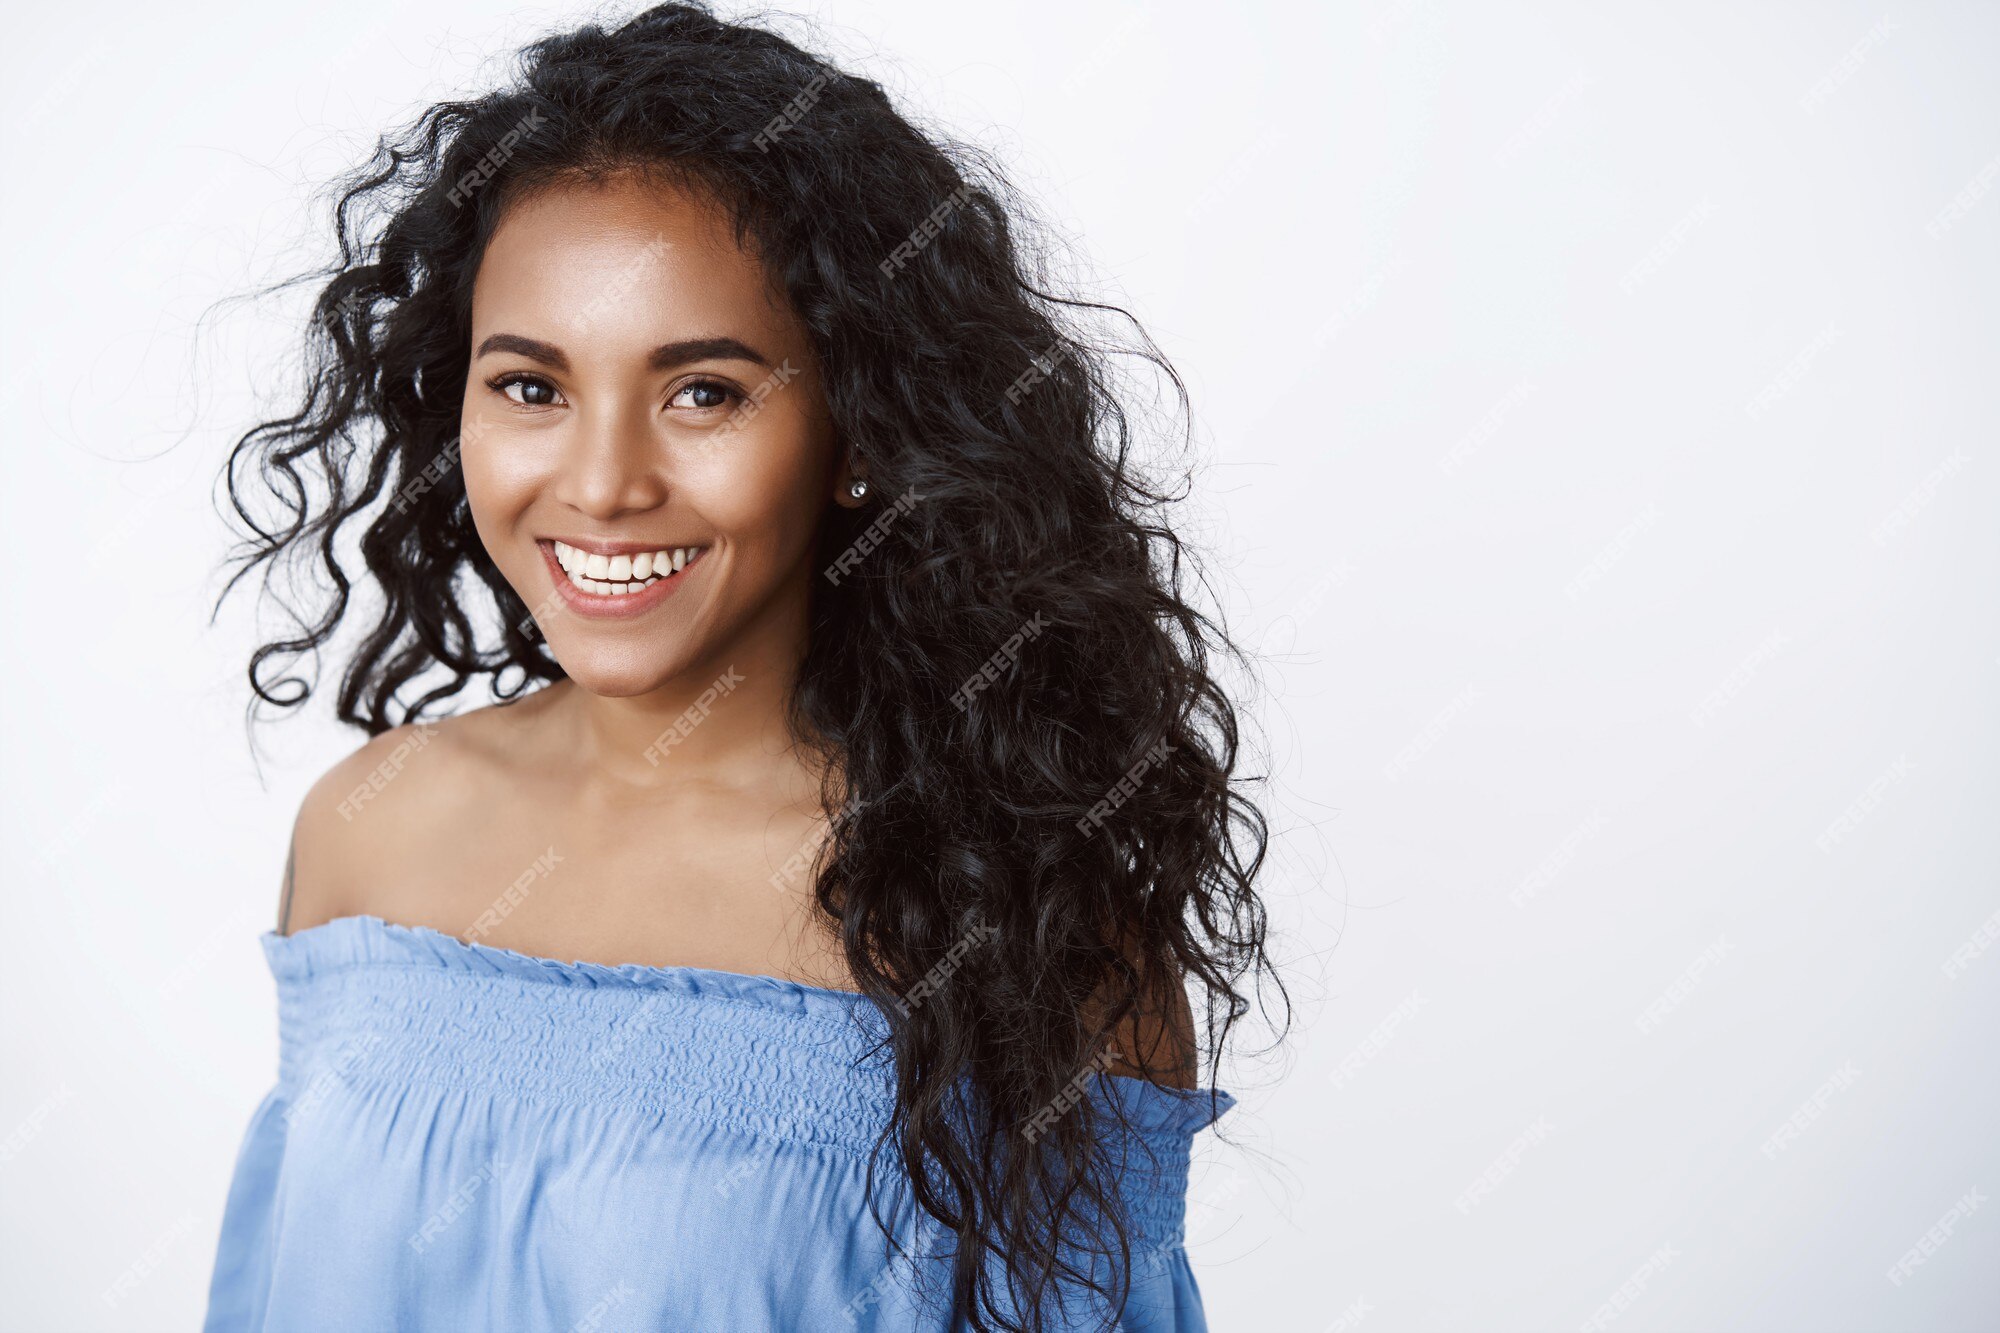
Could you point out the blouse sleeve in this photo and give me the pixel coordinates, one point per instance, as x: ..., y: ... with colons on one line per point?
x: 1151, y: 1133
x: 239, y: 1288
x: 1161, y: 1125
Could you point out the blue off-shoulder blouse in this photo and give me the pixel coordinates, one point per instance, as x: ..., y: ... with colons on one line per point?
x: 465, y: 1137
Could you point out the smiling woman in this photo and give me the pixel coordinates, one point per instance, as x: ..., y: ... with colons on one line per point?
x: 809, y: 923
x: 581, y: 430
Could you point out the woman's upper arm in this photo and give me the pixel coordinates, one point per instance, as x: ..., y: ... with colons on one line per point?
x: 326, y: 857
x: 1156, y: 1041
x: 313, y: 858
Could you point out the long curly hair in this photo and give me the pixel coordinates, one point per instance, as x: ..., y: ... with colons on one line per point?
x: 1033, y: 743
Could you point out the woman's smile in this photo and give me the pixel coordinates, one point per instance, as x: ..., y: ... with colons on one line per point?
x: 612, y: 579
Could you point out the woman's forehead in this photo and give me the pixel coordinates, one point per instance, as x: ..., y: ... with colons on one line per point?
x: 625, y: 260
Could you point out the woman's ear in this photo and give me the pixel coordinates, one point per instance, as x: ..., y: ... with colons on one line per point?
x: 850, y: 487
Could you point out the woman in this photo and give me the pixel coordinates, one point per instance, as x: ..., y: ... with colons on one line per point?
x: 802, y: 939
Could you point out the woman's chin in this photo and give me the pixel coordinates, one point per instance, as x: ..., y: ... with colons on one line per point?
x: 613, y: 676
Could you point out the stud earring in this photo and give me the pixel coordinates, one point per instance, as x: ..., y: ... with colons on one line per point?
x: 857, y: 488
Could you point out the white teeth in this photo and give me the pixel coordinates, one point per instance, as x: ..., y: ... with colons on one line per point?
x: 605, y: 588
x: 621, y: 575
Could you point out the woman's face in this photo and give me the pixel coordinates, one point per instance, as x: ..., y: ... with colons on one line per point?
x: 645, y: 442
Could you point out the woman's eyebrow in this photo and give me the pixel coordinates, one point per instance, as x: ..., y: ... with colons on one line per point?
x: 664, y: 357
x: 669, y: 355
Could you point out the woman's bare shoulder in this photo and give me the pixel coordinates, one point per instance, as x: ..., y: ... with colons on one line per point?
x: 375, y: 819
x: 1156, y: 1041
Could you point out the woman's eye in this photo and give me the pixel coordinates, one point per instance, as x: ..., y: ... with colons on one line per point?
x: 533, y: 392
x: 702, y: 395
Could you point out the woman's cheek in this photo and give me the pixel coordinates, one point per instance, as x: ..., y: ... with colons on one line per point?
x: 761, y: 489
x: 500, y: 484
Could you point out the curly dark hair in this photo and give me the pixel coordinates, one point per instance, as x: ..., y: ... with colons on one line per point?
x: 1083, y: 815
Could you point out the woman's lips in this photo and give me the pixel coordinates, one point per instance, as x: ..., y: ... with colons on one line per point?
x: 616, y: 606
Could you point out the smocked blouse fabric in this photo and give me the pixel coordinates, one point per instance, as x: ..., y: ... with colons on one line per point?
x: 465, y: 1137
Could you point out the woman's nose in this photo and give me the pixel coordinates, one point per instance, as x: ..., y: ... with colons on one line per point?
x: 615, y: 463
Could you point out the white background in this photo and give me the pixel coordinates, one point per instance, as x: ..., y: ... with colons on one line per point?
x: 1597, y: 403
